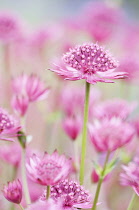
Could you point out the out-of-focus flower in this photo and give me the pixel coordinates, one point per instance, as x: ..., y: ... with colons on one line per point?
x: 130, y: 176
x: 9, y: 126
x: 90, y: 62
x: 45, y: 205
x: 130, y: 65
x: 72, y: 194
x: 101, y: 20
x: 135, y: 123
x: 20, y: 104
x: 72, y: 126
x: 11, y: 154
x: 109, y: 135
x: 13, y: 192
x: 72, y: 100
x: 27, y: 89
x: 48, y: 170
x: 9, y: 27
x: 117, y: 108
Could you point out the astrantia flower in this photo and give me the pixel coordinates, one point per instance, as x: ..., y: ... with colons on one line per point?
x: 8, y: 154
x: 117, y: 108
x: 109, y: 135
x: 13, y: 192
x: 90, y: 62
x: 72, y: 194
x: 9, y: 126
x: 45, y: 205
x: 48, y: 170
x: 72, y: 126
x: 9, y: 27
x: 130, y: 176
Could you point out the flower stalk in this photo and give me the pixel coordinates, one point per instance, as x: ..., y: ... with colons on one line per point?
x: 102, y: 175
x: 48, y: 192
x: 21, y: 207
x: 132, y: 202
x: 84, y: 134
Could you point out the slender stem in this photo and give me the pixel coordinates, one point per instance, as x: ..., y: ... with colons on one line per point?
x: 100, y: 181
x: 21, y: 207
x: 24, y: 177
x: 48, y: 192
x: 84, y: 134
x: 132, y: 202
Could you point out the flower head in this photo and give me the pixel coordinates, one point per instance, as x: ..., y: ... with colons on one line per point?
x: 48, y: 170
x: 9, y: 126
x: 90, y: 62
x: 117, y: 108
x: 72, y: 194
x: 109, y: 135
x: 130, y: 176
x: 9, y: 27
x: 45, y: 205
x: 13, y: 192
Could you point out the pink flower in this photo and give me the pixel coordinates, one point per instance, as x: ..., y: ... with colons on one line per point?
x: 11, y: 154
x: 135, y: 123
x: 130, y: 176
x: 117, y: 108
x: 27, y: 89
x: 72, y: 126
x: 130, y: 65
x: 9, y: 126
x: 72, y: 194
x: 47, y: 205
x: 9, y: 27
x: 48, y: 170
x: 101, y: 20
x: 90, y: 62
x: 13, y: 192
x: 109, y: 135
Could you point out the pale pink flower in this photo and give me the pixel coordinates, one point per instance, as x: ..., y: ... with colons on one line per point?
x: 130, y: 65
x: 30, y: 86
x: 130, y: 175
x: 108, y: 135
x: 13, y: 192
x: 135, y: 123
x: 117, y: 108
x: 90, y: 62
x: 101, y: 20
x: 11, y: 154
x: 45, y: 205
x: 9, y: 27
x: 72, y: 126
x: 48, y: 170
x: 9, y: 126
x: 20, y: 104
x: 72, y: 194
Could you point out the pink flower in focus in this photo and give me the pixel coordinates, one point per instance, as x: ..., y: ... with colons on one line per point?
x: 11, y: 154
x: 48, y: 170
x: 109, y: 135
x: 90, y: 62
x: 72, y: 126
x: 9, y: 27
x: 117, y: 108
x: 45, y: 205
x: 130, y: 176
x: 13, y: 192
x: 72, y: 194
x: 9, y: 126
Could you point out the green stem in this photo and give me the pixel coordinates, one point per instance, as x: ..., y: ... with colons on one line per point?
x: 48, y: 192
x: 21, y: 207
x: 100, y: 182
x: 24, y: 177
x: 132, y: 202
x: 84, y: 135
